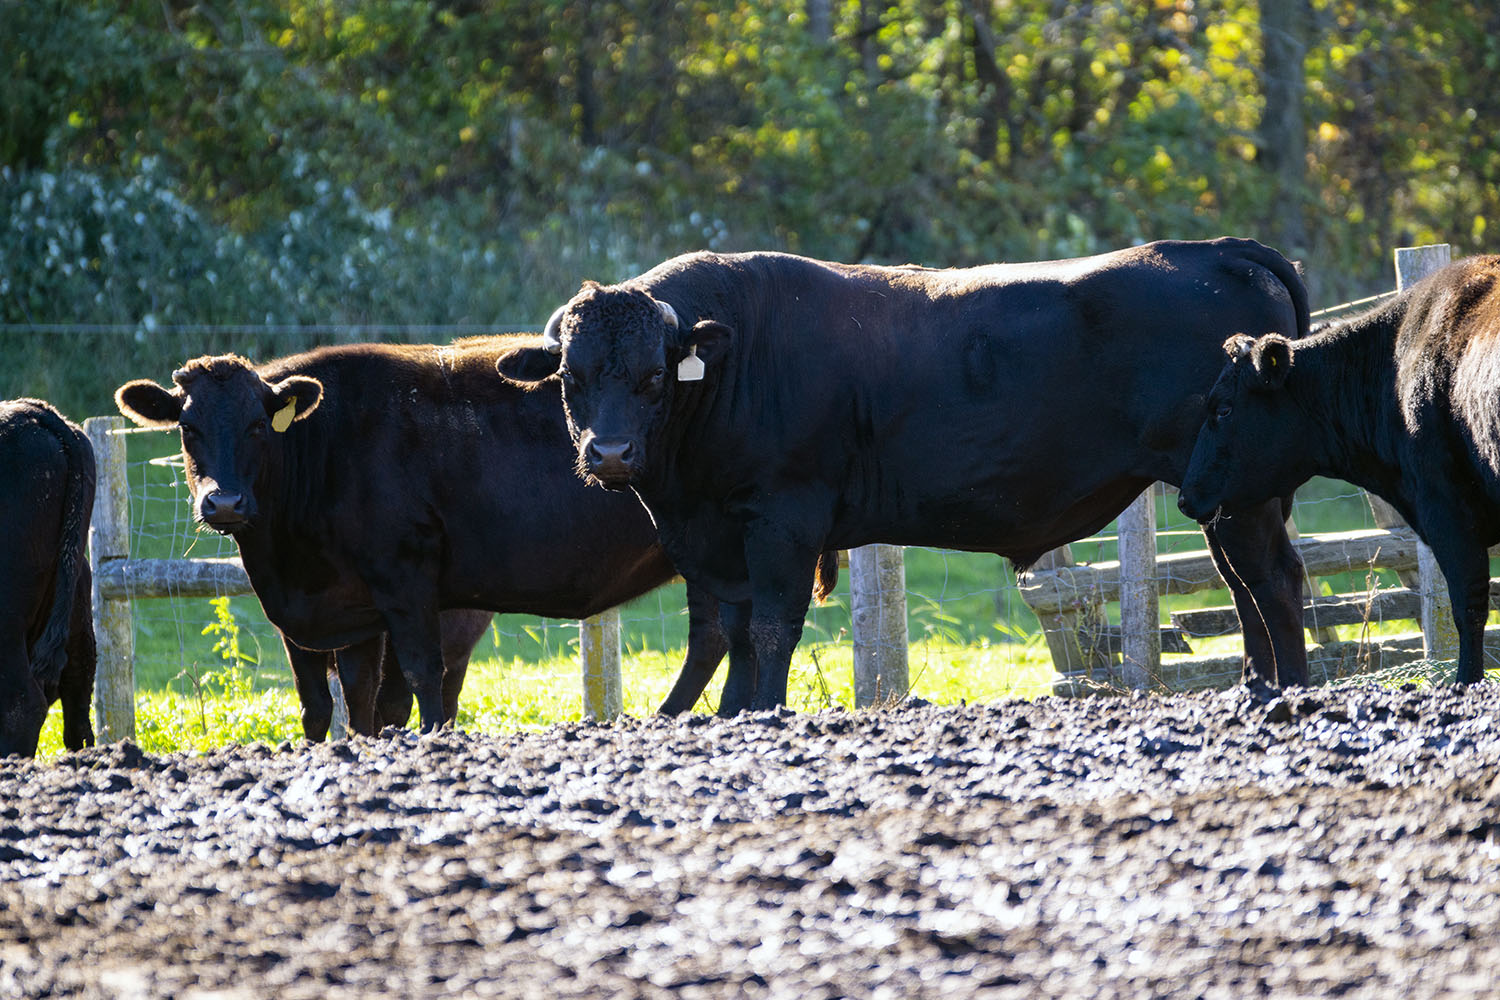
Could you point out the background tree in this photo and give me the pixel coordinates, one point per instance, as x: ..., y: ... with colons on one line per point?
x: 200, y: 170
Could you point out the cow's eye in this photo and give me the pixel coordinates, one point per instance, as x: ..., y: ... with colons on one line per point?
x: 189, y: 433
x: 655, y: 379
x: 1223, y: 412
x: 257, y: 429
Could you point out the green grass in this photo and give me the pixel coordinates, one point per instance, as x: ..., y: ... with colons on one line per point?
x: 972, y: 638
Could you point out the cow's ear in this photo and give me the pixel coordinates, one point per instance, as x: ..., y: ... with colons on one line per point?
x: 1272, y: 357
x: 148, y: 404
x: 526, y: 366
x: 293, y: 398
x: 709, y: 340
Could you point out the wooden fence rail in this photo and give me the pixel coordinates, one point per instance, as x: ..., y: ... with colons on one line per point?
x: 119, y: 580
x: 877, y: 577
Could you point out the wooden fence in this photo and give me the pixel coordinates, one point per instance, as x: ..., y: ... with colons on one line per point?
x: 1068, y: 599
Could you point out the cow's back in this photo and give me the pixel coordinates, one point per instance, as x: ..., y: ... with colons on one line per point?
x: 1003, y: 407
x: 46, y: 497
x: 420, y: 461
x: 1448, y: 361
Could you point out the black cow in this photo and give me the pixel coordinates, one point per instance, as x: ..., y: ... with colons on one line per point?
x: 1403, y: 400
x: 46, y: 601
x: 767, y: 407
x: 370, y: 486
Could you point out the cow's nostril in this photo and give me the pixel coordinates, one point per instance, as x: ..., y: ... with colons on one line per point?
x: 220, y: 505
x: 610, y: 452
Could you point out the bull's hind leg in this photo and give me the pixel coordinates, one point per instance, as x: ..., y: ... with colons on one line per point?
x: 393, y: 699
x: 77, y: 688
x: 417, y: 642
x: 707, y: 645
x: 744, y: 672
x: 1264, y: 572
x: 1466, y: 568
x: 360, y: 669
x: 310, y: 677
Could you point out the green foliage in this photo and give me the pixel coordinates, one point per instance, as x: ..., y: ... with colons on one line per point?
x: 425, y: 162
x: 225, y: 629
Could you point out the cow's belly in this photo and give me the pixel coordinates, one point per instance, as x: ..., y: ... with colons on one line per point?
x: 990, y: 487
x: 313, y: 603
x: 995, y: 523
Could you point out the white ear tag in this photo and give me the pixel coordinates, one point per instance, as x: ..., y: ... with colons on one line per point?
x: 690, y: 368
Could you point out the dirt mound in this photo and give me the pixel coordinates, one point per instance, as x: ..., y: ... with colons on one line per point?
x: 1324, y: 842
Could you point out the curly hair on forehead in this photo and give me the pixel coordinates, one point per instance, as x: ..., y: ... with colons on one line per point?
x: 220, y: 368
x: 616, y: 313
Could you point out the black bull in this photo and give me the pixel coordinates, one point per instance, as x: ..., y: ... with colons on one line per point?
x: 369, y: 486
x: 1008, y: 408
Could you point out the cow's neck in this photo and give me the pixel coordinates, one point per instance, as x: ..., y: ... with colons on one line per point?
x: 1346, y: 380
x: 282, y: 527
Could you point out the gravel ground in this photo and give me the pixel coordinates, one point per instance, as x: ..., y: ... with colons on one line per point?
x: 1326, y: 842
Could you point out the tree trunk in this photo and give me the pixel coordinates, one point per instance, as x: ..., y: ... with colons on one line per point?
x: 820, y: 19
x: 1285, y: 25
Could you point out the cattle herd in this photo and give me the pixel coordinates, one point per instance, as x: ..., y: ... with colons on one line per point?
x: 749, y: 415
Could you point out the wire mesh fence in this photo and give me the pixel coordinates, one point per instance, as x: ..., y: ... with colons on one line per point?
x: 971, y: 633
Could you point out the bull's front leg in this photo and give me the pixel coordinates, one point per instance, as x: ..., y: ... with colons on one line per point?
x: 782, y: 568
x: 1264, y: 572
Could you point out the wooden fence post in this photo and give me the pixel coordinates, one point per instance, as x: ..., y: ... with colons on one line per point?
x: 109, y: 542
x: 338, y: 723
x: 1439, y: 633
x: 599, y: 654
x: 1140, y: 639
x: 1075, y: 638
x: 877, y: 606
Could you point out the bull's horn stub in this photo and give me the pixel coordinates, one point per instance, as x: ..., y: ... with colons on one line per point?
x: 668, y: 314
x: 690, y: 368
x: 283, y: 418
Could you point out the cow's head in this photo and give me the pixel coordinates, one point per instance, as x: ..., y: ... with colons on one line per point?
x: 229, y: 417
x: 622, y: 357
x: 1250, y: 448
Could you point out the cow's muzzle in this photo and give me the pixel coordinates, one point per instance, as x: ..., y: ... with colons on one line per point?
x: 1195, y: 507
x: 224, y: 511
x: 612, y: 462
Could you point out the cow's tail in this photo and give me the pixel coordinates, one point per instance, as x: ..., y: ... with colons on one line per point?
x: 49, y: 655
x: 1291, y: 278
x: 828, y: 576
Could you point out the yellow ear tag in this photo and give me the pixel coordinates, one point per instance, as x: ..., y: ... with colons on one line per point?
x: 690, y: 368
x: 283, y: 417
